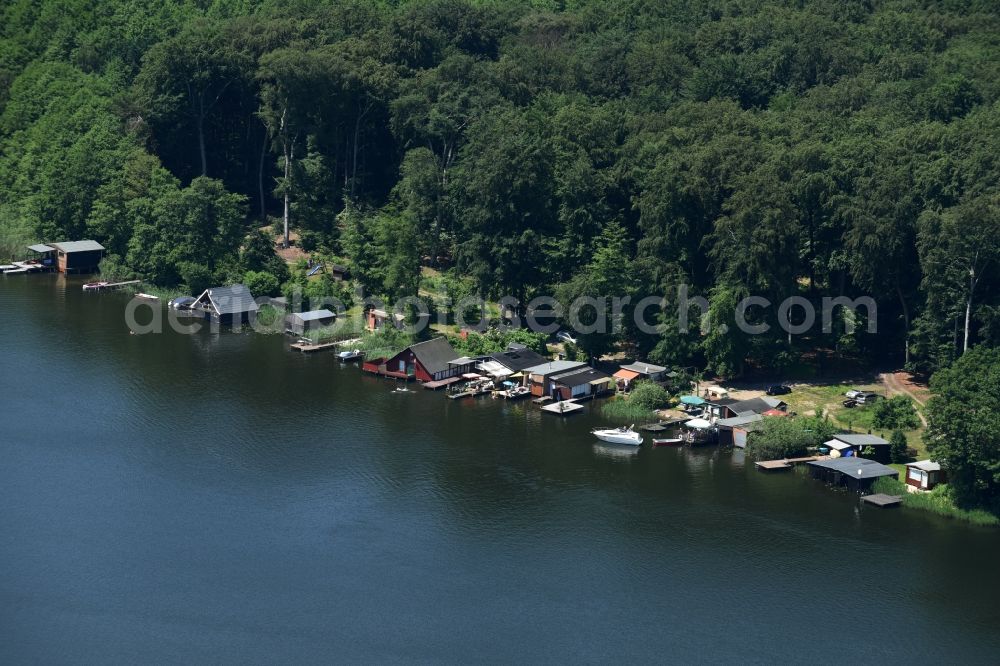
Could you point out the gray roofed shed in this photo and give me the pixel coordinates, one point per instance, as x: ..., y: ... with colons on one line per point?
x: 856, y: 468
x: 861, y: 440
x: 313, y: 315
x: 77, y: 246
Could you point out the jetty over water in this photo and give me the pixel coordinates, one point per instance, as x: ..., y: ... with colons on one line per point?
x: 786, y: 463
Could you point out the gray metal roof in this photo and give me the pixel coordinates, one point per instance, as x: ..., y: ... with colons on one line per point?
x: 40, y: 248
x: 925, y: 465
x: 552, y: 367
x: 861, y: 440
x: 743, y: 419
x: 518, y: 359
x: 234, y: 299
x: 857, y: 468
x: 77, y: 246
x: 644, y: 368
x: 580, y: 377
x: 313, y: 315
x: 758, y: 405
x: 434, y: 354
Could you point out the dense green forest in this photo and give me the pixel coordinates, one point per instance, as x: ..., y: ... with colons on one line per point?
x: 605, y: 147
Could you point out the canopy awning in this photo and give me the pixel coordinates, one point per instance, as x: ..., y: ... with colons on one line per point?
x: 41, y: 249
x: 627, y: 375
x: 775, y: 412
x: 692, y: 400
x: 699, y: 424
x: 517, y: 375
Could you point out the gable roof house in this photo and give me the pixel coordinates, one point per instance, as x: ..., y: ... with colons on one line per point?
x: 923, y: 475
x: 427, y: 361
x: 228, y: 305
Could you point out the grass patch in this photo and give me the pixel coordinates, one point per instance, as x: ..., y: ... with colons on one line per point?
x: 622, y: 409
x: 938, y: 501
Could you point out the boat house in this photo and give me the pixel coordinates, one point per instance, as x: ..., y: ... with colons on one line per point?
x: 506, y: 364
x: 733, y: 431
x: 73, y: 256
x: 585, y: 383
x: 856, y: 474
x: 654, y: 373
x: 299, y: 323
x: 227, y: 305
x: 854, y: 445
x: 923, y: 475
x: 538, y: 377
x: 428, y: 361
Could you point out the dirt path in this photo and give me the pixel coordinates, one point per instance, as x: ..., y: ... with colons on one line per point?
x: 896, y: 386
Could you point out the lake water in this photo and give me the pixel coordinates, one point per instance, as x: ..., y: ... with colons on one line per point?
x: 171, y: 498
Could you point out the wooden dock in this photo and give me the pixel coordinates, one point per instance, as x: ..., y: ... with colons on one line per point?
x: 785, y: 463
x: 109, y: 286
x: 441, y: 383
x: 882, y: 500
x: 309, y: 348
x: 541, y: 401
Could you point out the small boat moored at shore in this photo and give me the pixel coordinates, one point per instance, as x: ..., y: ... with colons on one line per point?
x: 95, y: 286
x: 668, y: 441
x: 352, y: 355
x: 147, y: 297
x: 618, y: 435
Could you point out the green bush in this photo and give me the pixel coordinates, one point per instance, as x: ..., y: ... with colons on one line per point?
x: 939, y: 501
x: 624, y: 409
x: 261, y: 283
x: 896, y: 412
x: 786, y: 437
x: 649, y: 396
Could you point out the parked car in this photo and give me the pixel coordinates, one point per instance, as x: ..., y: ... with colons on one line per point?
x: 853, y: 393
x: 850, y: 403
x: 779, y: 389
x: 867, y: 398
x: 564, y: 336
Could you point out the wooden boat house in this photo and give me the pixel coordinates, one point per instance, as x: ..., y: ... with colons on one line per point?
x: 71, y: 256
x: 923, y: 475
x: 428, y: 361
x: 855, y: 474
x: 581, y: 383
x: 227, y: 305
x: 300, y: 323
x: 538, y: 377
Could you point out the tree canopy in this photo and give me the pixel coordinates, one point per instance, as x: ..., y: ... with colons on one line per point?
x: 739, y: 147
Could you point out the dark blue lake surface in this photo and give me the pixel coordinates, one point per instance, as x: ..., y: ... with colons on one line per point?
x: 217, y: 498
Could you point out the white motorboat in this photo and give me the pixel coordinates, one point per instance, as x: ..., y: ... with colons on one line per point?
x: 618, y: 435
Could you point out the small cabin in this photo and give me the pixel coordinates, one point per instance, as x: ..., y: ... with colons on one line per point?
x: 847, y: 445
x: 923, y: 475
x: 654, y: 373
x: 76, y: 256
x: 233, y: 305
x: 300, y: 323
